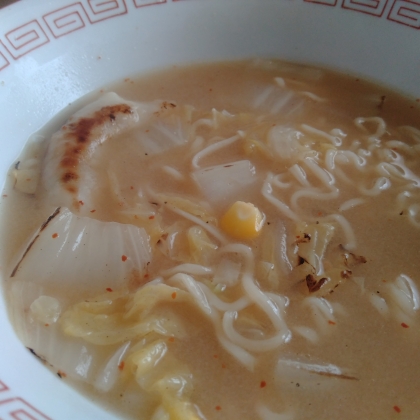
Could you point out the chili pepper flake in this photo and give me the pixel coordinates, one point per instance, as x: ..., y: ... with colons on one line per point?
x: 54, y: 235
x: 171, y: 339
x: 215, y: 356
x: 218, y: 408
x: 151, y: 217
x: 124, y: 258
x: 263, y: 384
x: 81, y: 202
x: 121, y: 365
x: 93, y: 211
x: 223, y: 366
x: 173, y: 295
x: 108, y: 289
x: 397, y: 409
x: 331, y: 322
x: 404, y: 325
x: 47, y: 325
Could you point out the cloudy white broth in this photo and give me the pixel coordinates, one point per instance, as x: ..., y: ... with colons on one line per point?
x: 224, y: 241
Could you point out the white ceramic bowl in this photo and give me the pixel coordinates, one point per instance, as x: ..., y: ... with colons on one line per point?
x: 54, y: 51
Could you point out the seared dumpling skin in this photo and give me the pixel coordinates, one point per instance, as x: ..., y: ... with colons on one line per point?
x: 66, y: 175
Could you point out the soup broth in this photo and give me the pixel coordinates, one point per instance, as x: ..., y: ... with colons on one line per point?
x: 224, y: 241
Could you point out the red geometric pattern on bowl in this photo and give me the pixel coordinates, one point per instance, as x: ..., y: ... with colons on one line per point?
x: 99, y: 10
x: 77, y: 15
x: 16, y: 408
x: 406, y: 12
x: 141, y: 3
x: 323, y: 2
x: 370, y: 7
x: 3, y: 387
x: 25, y: 38
x: 66, y: 20
x: 4, y: 62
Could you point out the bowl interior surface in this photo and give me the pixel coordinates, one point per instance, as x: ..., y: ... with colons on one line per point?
x: 54, y: 52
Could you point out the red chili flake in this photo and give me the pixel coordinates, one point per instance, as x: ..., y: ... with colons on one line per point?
x: 146, y: 276
x: 131, y: 188
x: 263, y: 384
x: 297, y: 237
x: 171, y: 339
x: 210, y: 90
x: 218, y: 408
x: 331, y: 322
x: 135, y: 216
x: 81, y: 202
x: 319, y: 213
x: 397, y: 409
x: 121, y: 365
x: 47, y: 325
x: 92, y: 211
x: 123, y: 258
x: 151, y: 217
x: 173, y: 295
x: 215, y: 356
x: 54, y: 235
x: 223, y: 366
x: 404, y: 325
x: 147, y: 131
x: 384, y: 281
x: 108, y: 289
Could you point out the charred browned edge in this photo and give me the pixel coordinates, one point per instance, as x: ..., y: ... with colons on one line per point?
x: 335, y: 375
x: 355, y: 259
x: 79, y: 134
x: 43, y: 226
x: 304, y: 239
x: 313, y: 284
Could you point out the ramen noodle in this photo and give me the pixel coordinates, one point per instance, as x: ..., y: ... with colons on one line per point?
x: 224, y: 241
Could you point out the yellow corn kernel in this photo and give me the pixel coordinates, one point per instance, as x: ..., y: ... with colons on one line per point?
x: 242, y: 221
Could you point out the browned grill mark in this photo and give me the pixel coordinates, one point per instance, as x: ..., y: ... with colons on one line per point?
x: 69, y: 176
x: 79, y: 135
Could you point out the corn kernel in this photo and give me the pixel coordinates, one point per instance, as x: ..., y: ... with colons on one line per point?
x: 242, y: 221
